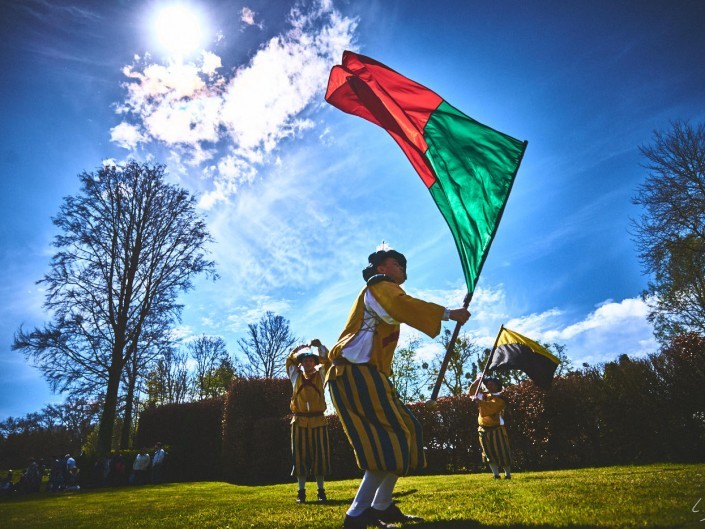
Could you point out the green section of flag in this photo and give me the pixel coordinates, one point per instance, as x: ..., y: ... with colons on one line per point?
x: 475, y: 168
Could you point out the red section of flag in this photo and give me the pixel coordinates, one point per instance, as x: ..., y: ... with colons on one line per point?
x: 364, y: 87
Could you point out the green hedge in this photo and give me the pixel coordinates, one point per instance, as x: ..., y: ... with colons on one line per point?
x: 191, y: 433
x: 248, y: 402
x: 629, y: 411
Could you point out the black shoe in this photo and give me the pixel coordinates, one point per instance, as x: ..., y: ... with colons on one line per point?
x: 301, y: 498
x: 322, y: 495
x: 392, y: 514
x: 508, y: 476
x: 365, y: 520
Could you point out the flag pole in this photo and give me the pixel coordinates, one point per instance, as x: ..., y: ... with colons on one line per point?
x: 449, y: 352
x: 489, y: 359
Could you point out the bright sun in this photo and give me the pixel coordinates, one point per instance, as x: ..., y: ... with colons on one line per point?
x: 179, y: 30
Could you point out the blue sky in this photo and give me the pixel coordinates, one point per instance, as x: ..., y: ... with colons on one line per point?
x: 297, y: 194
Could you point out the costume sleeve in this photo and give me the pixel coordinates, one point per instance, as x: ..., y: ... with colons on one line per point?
x: 292, y: 367
x: 323, y: 355
x: 421, y: 315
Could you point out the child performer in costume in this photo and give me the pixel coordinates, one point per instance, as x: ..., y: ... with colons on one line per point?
x: 309, y: 431
x: 385, y: 436
x: 493, y: 435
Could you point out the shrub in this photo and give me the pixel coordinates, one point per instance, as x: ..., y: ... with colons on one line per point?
x: 247, y: 402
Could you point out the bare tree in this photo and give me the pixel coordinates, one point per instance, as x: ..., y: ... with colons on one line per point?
x: 670, y: 235
x: 167, y: 383
x: 214, y: 368
x: 267, y: 345
x: 129, y: 244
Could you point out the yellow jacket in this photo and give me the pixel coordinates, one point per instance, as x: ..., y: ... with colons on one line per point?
x: 421, y: 315
x: 308, y: 401
x: 491, y: 407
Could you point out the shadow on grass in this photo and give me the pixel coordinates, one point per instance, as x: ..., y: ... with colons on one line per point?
x: 404, y: 493
x: 473, y: 524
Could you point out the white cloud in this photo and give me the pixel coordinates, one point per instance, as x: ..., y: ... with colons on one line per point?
x: 612, y: 329
x: 251, y: 313
x: 247, y: 16
x: 126, y: 136
x: 228, y: 124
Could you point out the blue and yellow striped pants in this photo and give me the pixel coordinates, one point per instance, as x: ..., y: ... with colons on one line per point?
x: 495, y: 445
x: 382, y: 431
x: 310, y: 450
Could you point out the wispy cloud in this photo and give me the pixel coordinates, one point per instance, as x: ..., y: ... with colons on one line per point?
x: 247, y: 16
x: 224, y: 127
x: 57, y: 12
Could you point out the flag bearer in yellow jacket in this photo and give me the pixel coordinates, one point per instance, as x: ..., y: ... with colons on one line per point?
x: 386, y: 437
x: 493, y: 435
x: 309, y: 432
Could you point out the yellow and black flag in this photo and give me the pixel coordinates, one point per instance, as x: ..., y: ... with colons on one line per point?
x: 514, y: 351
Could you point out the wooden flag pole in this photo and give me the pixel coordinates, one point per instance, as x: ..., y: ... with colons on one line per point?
x: 449, y: 352
x: 489, y: 359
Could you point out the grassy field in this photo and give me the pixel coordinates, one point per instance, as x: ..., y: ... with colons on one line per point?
x: 663, y: 496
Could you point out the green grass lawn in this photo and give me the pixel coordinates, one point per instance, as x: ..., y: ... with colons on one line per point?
x: 662, y: 495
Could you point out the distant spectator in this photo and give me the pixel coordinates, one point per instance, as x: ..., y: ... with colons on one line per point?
x: 69, y: 463
x: 140, y: 467
x: 158, y: 463
x: 32, y: 477
x: 99, y: 472
x: 42, y: 467
x: 56, y: 474
x: 7, y: 487
x: 107, y: 461
x: 118, y: 474
x: 71, y: 473
x: 72, y: 479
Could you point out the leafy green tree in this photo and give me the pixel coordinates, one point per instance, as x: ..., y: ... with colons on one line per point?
x: 218, y: 380
x: 670, y: 234
x: 211, y: 356
x: 408, y: 375
x: 129, y: 243
x: 463, y: 365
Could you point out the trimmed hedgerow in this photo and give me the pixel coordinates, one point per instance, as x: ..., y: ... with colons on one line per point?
x: 192, y: 432
x: 247, y: 402
x: 630, y: 411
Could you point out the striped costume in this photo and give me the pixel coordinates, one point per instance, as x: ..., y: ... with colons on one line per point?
x: 382, y: 431
x: 493, y: 435
x: 310, y: 447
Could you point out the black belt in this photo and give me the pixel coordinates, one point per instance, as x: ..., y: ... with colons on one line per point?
x: 340, y: 361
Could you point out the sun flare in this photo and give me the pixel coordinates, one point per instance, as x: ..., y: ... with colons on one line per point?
x: 179, y: 29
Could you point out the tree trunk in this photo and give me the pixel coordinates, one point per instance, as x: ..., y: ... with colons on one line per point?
x: 127, y: 422
x: 107, y: 419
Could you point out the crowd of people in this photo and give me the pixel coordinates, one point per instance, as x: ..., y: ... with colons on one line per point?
x: 63, y: 473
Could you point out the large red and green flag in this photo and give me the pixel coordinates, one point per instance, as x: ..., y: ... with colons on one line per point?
x: 468, y: 167
x: 514, y: 351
